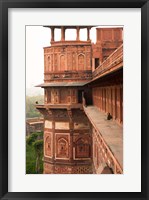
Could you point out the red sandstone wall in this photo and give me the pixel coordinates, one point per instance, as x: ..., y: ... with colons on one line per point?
x: 66, y: 95
x: 61, y: 96
x: 109, y: 34
x: 108, y: 40
x: 110, y: 100
x: 67, y: 142
x: 67, y: 58
x: 67, y: 169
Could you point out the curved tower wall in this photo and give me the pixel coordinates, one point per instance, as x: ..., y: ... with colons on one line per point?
x: 67, y: 130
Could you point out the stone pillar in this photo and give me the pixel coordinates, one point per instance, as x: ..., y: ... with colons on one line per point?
x: 62, y: 33
x: 71, y: 146
x: 88, y: 33
x: 52, y: 34
x: 93, y: 64
x: 78, y: 33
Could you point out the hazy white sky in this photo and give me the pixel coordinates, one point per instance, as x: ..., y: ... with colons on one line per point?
x: 38, y: 37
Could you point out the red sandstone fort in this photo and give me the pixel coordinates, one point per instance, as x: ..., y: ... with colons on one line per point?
x: 83, y: 103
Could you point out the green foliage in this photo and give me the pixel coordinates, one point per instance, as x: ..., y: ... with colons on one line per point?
x: 31, y: 138
x: 38, y: 146
x: 34, y: 154
x: 31, y: 110
x: 30, y: 160
x: 40, y: 135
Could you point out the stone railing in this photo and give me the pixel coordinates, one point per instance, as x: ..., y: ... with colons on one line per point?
x: 59, y: 106
x: 114, y: 59
x: 72, y: 42
x: 104, y: 155
x: 68, y: 75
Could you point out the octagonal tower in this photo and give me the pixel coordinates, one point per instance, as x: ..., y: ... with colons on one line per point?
x: 67, y: 131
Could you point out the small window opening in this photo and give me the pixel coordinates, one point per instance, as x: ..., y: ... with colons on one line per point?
x: 97, y: 62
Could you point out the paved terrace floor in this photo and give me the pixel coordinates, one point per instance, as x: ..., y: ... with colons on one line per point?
x: 110, y: 131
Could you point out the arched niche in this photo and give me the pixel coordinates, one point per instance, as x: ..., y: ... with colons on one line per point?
x: 62, y: 148
x: 82, y: 148
x: 48, y: 146
x: 49, y: 62
x: 81, y: 61
x: 62, y: 62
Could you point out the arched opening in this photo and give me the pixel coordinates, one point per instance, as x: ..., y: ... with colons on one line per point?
x: 107, y: 170
x: 70, y: 34
x: 62, y: 63
x: 57, y: 34
x: 81, y: 62
x: 83, y: 34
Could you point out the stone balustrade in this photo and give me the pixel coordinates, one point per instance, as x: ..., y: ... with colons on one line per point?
x: 103, y: 155
x: 113, y: 60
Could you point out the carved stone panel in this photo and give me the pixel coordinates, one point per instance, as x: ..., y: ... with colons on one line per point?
x: 55, y: 96
x: 62, y: 146
x: 48, y: 144
x: 82, y: 147
x: 49, y: 62
x: 60, y: 115
x: 67, y: 58
x: 62, y: 125
x: 83, y: 169
x: 48, y: 124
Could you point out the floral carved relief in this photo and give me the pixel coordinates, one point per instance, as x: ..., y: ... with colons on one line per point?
x: 62, y: 146
x: 82, y: 148
x: 48, y: 145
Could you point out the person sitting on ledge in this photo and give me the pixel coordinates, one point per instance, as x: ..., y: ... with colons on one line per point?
x: 109, y: 116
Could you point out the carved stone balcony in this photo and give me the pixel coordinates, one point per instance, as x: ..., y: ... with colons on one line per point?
x: 59, y: 106
x: 112, y: 63
x: 70, y: 42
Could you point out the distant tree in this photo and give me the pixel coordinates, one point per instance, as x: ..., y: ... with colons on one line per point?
x: 32, y: 140
x: 38, y: 146
x: 31, y: 110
